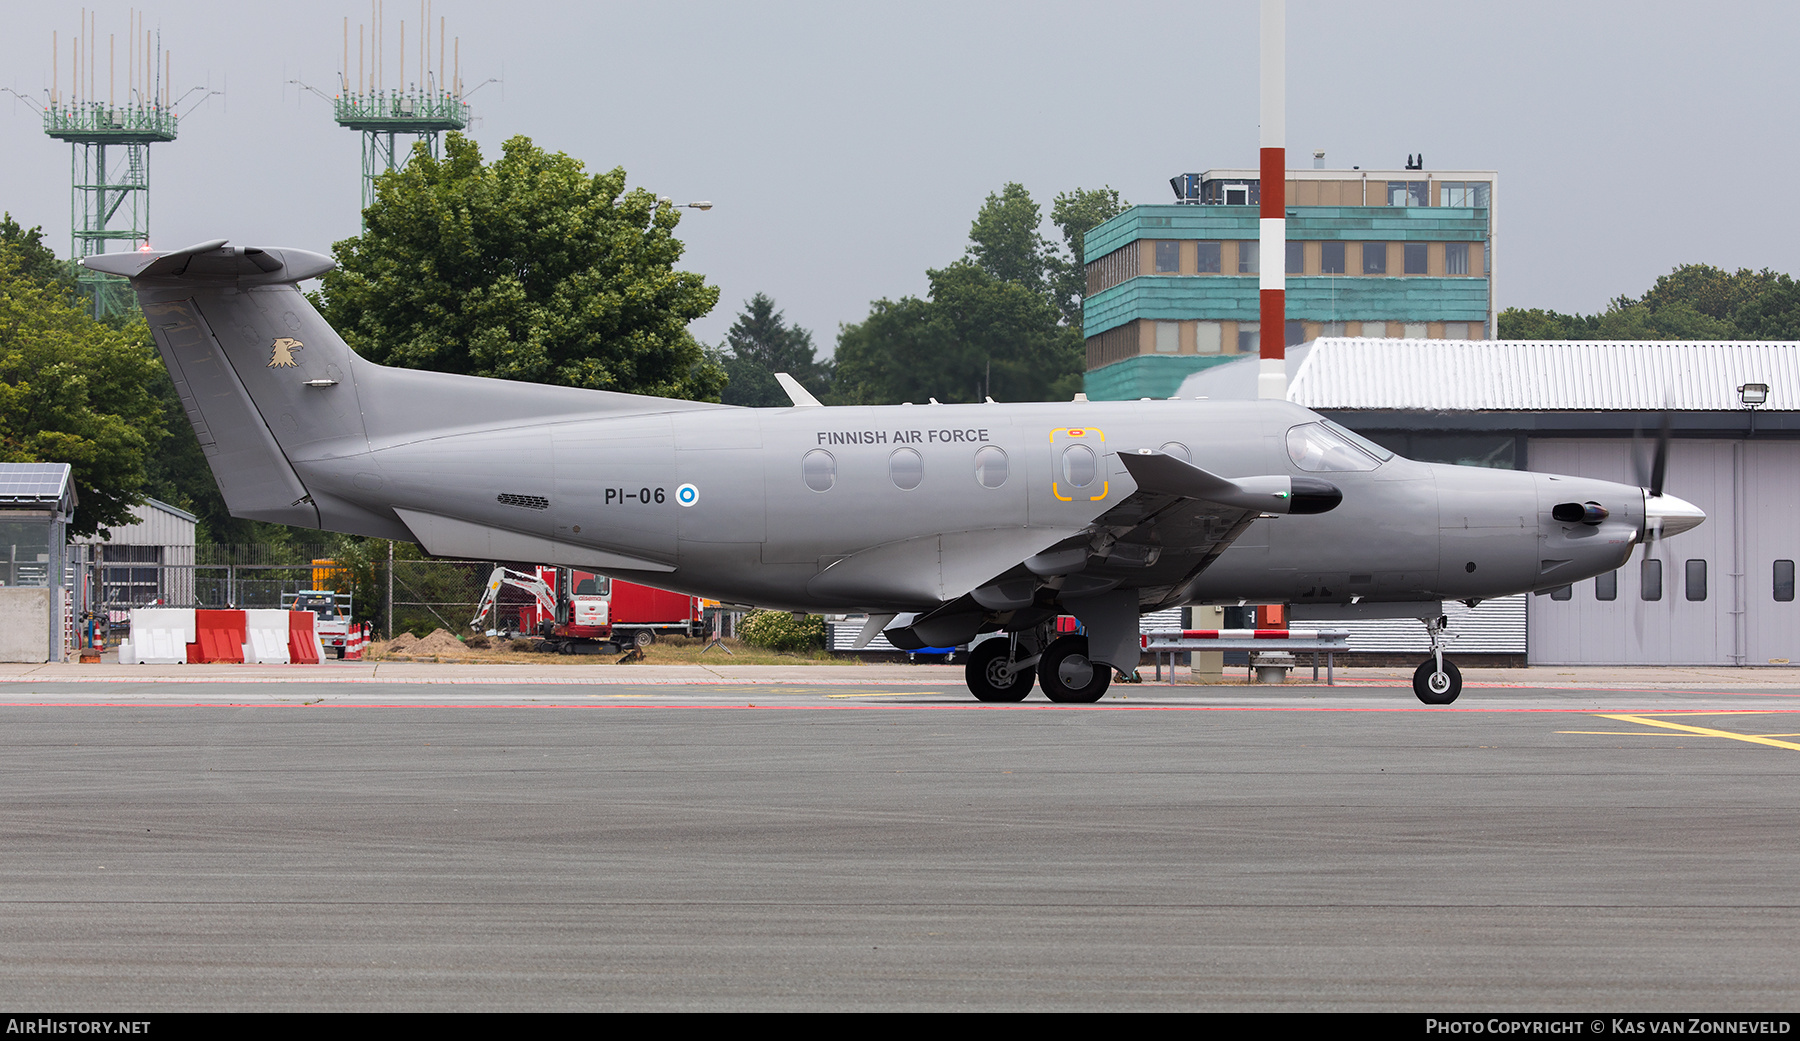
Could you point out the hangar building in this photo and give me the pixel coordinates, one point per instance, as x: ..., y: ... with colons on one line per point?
x: 1721, y: 594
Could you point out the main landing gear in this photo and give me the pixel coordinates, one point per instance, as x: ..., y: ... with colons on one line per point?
x: 1437, y: 681
x: 1068, y: 676
x: 1002, y: 669
x: 994, y: 676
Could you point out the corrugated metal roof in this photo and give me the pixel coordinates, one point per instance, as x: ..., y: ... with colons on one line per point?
x: 1544, y: 375
x: 33, y: 482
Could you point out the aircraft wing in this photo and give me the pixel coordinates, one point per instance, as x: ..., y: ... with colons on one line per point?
x: 1156, y: 541
x: 1180, y: 518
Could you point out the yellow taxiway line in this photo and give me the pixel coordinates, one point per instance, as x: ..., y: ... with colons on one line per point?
x: 887, y: 694
x: 1758, y: 739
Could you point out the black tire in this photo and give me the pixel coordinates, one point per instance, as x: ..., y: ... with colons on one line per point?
x: 1435, y: 688
x: 643, y: 638
x: 1068, y: 677
x: 987, y: 677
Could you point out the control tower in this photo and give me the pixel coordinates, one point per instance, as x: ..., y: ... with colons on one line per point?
x: 421, y: 108
x: 109, y: 139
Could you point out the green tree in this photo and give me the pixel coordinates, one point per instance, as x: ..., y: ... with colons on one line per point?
x: 35, y: 260
x: 524, y: 269
x: 779, y: 631
x: 1707, y: 290
x: 1517, y: 323
x: 992, y: 324
x: 1077, y: 213
x: 976, y: 336
x: 762, y: 343
x: 1004, y: 239
x: 1692, y: 302
x: 75, y: 391
x: 1774, y: 313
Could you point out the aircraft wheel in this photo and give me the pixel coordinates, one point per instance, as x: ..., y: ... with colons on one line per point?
x: 1434, y: 687
x: 1066, y: 674
x: 988, y: 677
x: 643, y: 639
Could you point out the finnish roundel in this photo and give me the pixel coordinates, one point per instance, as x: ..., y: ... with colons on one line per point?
x: 687, y: 495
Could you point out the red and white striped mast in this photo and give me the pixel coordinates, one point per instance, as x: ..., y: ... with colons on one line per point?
x: 1271, y: 381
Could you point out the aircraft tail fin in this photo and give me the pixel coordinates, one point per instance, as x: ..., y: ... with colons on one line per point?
x: 279, y: 400
x: 255, y: 366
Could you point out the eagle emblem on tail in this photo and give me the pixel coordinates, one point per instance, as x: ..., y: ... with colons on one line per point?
x: 281, y: 355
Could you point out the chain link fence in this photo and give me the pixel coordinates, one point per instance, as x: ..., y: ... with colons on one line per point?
x: 399, y: 596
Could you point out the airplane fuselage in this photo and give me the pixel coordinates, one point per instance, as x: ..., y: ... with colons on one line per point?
x: 761, y: 505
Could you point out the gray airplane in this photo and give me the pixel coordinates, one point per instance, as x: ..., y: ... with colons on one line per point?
x: 941, y: 521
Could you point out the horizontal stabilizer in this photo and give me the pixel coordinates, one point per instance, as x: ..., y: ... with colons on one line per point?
x: 214, y: 262
x: 1162, y: 474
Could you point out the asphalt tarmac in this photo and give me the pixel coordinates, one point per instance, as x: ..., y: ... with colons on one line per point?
x: 219, y: 845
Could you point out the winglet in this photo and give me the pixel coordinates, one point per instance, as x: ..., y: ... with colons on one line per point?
x: 796, y: 393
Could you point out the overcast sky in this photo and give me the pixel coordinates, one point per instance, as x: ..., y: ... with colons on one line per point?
x: 847, y: 146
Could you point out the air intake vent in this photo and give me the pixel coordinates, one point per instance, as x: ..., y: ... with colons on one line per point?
x: 528, y: 502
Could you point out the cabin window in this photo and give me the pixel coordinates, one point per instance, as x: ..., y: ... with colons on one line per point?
x: 907, y: 468
x: 819, y: 470
x: 990, y: 467
x: 1177, y: 450
x: 1080, y: 466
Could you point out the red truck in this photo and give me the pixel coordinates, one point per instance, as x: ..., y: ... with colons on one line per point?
x: 580, y: 612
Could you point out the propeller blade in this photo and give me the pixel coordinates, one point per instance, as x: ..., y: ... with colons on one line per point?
x: 1661, y: 466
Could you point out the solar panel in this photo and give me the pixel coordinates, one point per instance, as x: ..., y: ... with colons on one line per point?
x: 33, y: 482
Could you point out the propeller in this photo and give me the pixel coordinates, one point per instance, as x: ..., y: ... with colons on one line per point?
x: 1664, y: 514
x: 1650, y: 475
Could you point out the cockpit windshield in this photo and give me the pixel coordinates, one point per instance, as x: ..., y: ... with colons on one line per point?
x: 1325, y: 447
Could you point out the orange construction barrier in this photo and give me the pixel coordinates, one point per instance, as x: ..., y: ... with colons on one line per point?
x: 303, y: 646
x: 219, y: 636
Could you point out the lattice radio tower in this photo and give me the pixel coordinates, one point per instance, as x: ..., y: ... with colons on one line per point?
x: 109, y: 139
x: 421, y: 108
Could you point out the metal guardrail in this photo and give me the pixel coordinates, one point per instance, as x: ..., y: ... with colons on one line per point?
x: 402, y: 111
x: 126, y: 122
x: 1176, y: 642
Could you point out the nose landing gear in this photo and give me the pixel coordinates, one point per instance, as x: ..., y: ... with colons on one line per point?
x: 1437, y: 681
